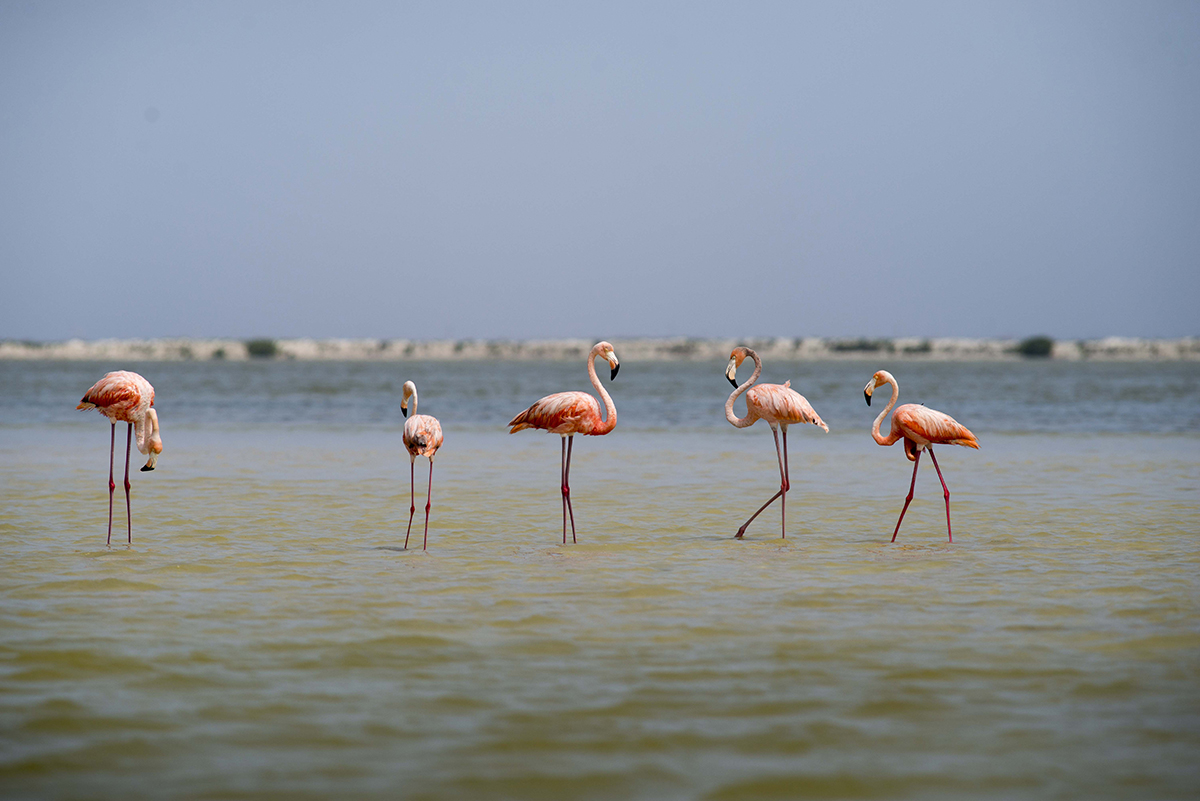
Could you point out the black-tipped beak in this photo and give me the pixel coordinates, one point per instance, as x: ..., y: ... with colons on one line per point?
x: 731, y: 381
x: 615, y: 370
x: 404, y: 411
x: 147, y: 469
x: 867, y: 395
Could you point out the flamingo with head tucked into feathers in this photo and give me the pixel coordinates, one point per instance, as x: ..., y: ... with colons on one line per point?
x: 422, y: 437
x: 125, y: 397
x: 780, y: 406
x: 571, y: 413
x: 920, y: 428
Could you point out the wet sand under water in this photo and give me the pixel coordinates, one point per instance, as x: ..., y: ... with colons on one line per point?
x: 266, y: 636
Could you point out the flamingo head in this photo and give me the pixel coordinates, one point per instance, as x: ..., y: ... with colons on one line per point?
x: 880, y: 378
x: 606, y: 350
x: 736, y: 357
x: 154, y: 444
x: 410, y: 391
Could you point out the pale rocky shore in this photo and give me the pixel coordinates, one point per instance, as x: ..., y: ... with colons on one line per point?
x: 637, y: 349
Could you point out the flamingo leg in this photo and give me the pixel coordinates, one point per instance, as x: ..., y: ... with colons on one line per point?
x: 562, y: 486
x: 945, y: 489
x: 567, y: 491
x: 787, y: 482
x: 128, y: 507
x: 112, y: 450
x: 428, y: 504
x: 908, y: 500
x: 782, y: 484
x: 412, y: 495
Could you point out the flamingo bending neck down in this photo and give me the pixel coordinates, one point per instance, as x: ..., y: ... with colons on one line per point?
x: 920, y: 428
x: 125, y: 397
x: 571, y: 413
x: 422, y: 437
x: 780, y: 406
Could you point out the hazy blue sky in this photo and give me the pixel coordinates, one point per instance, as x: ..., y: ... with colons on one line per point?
x: 441, y: 170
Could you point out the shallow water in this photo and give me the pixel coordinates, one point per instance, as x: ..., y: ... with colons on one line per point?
x: 267, y: 636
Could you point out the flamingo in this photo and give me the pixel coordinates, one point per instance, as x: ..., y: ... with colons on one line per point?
x: 571, y: 413
x: 780, y: 406
x: 920, y: 428
x: 125, y: 397
x: 422, y: 437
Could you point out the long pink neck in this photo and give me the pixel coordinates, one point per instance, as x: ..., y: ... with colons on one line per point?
x: 610, y: 408
x: 893, y: 435
x: 751, y: 417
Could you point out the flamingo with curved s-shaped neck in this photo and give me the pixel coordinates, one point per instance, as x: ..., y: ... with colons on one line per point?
x: 920, y: 428
x: 571, y: 413
x: 422, y: 437
x: 780, y: 406
x: 125, y: 397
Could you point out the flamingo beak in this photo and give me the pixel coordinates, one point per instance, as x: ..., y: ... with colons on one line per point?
x: 404, y: 410
x: 867, y: 395
x: 614, y: 371
x: 731, y: 372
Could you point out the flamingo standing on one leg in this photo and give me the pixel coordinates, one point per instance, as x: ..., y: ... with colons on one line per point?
x: 571, y: 413
x: 920, y: 428
x: 125, y: 397
x: 780, y: 406
x: 422, y: 437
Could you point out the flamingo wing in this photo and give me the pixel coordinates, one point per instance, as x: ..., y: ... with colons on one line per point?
x: 929, y: 426
x: 779, y: 403
x: 422, y: 435
x: 118, y: 395
x: 560, y: 413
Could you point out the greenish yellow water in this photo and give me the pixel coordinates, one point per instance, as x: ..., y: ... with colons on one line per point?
x: 267, y: 637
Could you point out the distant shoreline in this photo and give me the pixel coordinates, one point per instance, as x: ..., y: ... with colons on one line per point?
x: 636, y: 349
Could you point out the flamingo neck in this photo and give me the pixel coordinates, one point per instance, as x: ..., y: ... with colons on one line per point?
x: 412, y: 408
x: 610, y: 408
x: 142, y: 431
x: 751, y: 417
x: 893, y: 436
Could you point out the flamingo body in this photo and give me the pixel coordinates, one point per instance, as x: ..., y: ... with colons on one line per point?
x: 422, y: 435
x: 564, y: 413
x: 780, y: 404
x: 122, y: 397
x: 921, y: 428
x: 571, y: 413
x: 125, y: 397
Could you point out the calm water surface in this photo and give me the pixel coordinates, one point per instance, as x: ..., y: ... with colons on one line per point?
x: 266, y: 636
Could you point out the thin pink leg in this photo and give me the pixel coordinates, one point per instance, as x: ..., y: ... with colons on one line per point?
x: 562, y: 486
x: 128, y: 509
x: 782, y: 483
x: 908, y: 500
x: 946, y: 489
x: 787, y: 483
x: 412, y: 496
x: 567, y: 490
x: 428, y: 504
x: 112, y: 486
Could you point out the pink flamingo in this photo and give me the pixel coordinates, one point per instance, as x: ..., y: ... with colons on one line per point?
x: 920, y: 428
x: 780, y: 406
x: 571, y: 413
x: 125, y: 397
x: 422, y: 437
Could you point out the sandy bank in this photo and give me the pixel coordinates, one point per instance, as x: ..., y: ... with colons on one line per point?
x: 641, y: 349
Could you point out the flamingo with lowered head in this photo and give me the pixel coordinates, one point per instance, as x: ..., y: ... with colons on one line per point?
x: 920, y: 428
x: 125, y: 397
x: 571, y: 413
x: 422, y: 437
x: 780, y: 406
